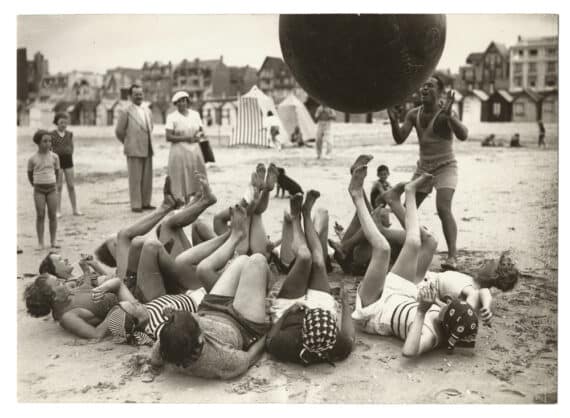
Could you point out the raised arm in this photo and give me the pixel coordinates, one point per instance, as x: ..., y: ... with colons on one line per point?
x: 419, y: 339
x: 400, y: 133
x: 456, y: 126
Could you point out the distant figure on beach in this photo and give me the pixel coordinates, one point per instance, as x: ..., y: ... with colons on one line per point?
x: 435, y: 126
x: 324, y: 117
x: 43, y: 169
x: 134, y: 130
x: 379, y: 187
x: 489, y: 141
x: 62, y: 145
x: 297, y: 137
x: 183, y: 131
x: 516, y: 141
x: 541, y: 134
x: 271, y: 124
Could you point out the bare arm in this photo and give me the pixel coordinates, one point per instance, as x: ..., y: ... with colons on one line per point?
x: 401, y: 133
x: 419, y: 340
x: 347, y: 325
x: 31, y: 177
x: 486, y: 299
x: 171, y: 136
x: 114, y: 285
x: 251, y: 357
x: 457, y: 127
x: 75, y: 322
x: 277, y: 326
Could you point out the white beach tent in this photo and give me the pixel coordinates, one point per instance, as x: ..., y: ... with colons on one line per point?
x: 250, y: 128
x: 292, y: 113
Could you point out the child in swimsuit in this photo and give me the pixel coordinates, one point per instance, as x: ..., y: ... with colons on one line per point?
x: 43, y: 168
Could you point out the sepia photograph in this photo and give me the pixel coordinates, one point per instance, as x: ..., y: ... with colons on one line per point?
x: 287, y: 208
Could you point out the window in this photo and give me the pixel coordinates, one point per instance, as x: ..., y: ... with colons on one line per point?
x: 532, y: 81
x: 547, y: 107
x: 550, y: 81
x: 520, y: 53
x: 496, y: 109
x: 519, y: 109
x: 551, y: 51
x: 517, y: 81
x: 532, y: 67
x: 517, y: 68
x: 532, y: 52
x: 551, y: 67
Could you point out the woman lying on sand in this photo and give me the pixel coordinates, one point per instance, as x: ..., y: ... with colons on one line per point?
x: 227, y: 334
x: 389, y: 303
x: 304, y: 313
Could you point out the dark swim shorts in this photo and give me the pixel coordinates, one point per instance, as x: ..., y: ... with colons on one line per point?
x: 45, y: 189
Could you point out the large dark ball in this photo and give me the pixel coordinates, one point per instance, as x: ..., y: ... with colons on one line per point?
x: 365, y: 63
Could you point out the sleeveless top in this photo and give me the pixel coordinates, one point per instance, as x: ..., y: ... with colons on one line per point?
x: 82, y: 298
x: 435, y: 149
x: 62, y: 145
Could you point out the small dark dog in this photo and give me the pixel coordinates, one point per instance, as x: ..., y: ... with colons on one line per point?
x: 286, y: 183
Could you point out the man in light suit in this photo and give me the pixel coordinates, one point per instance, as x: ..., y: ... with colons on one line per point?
x: 134, y: 130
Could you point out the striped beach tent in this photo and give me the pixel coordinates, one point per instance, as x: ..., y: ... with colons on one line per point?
x: 250, y: 128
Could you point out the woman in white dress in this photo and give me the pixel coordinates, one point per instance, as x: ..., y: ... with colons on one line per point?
x: 184, y: 131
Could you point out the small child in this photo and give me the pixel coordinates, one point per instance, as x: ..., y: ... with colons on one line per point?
x: 379, y: 187
x: 501, y: 273
x: 43, y: 169
x: 62, y: 145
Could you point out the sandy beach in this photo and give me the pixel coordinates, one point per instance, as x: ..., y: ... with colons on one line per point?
x: 506, y: 199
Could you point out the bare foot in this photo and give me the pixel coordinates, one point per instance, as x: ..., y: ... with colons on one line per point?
x: 413, y: 185
x: 39, y: 247
x: 169, y: 201
x: 310, y: 199
x: 296, y: 201
x: 394, y: 193
x: 257, y: 181
x: 271, y: 179
x: 287, y: 217
x: 238, y: 218
x: 206, y: 192
x: 77, y: 213
x: 362, y: 159
x: 54, y: 246
x: 357, y: 181
x: 261, y: 172
x: 58, y: 215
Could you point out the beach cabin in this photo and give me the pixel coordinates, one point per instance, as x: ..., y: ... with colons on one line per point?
x: 228, y: 113
x: 105, y: 112
x: 526, y: 106
x: 550, y: 107
x: 500, y: 106
x: 41, y: 114
x: 474, y: 105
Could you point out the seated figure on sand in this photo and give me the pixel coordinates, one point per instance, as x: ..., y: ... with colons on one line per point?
x: 304, y: 312
x: 389, y: 302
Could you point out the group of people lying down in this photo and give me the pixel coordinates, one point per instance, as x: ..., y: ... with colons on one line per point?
x: 201, y: 301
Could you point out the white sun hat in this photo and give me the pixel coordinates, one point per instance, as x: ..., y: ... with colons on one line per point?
x: 180, y: 95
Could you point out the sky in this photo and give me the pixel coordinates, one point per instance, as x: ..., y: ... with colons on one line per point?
x: 99, y: 42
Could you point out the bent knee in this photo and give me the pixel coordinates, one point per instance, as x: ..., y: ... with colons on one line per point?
x: 258, y: 259
x: 428, y: 239
x: 304, y: 254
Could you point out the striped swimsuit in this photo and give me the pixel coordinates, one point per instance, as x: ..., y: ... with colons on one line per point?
x: 403, y: 317
x: 182, y: 302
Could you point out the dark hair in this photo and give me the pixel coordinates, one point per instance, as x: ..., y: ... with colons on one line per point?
x: 179, y: 338
x: 269, y: 113
x: 39, y: 297
x: 382, y: 168
x: 133, y: 86
x: 60, y: 115
x: 37, y: 138
x: 439, y: 81
x: 47, y: 266
x: 104, y: 255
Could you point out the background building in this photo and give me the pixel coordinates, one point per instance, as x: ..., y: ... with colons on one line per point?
x: 488, y: 70
x: 534, y: 64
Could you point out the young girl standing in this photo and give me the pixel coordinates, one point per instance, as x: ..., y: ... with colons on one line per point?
x: 43, y: 168
x: 62, y: 145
